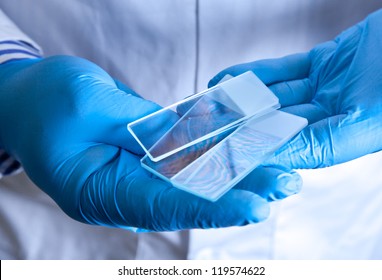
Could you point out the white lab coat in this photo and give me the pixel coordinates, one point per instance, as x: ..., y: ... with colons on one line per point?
x: 166, y: 50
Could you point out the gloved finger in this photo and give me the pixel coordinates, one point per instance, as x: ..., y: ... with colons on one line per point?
x: 327, y: 142
x: 312, y: 112
x: 121, y: 194
x: 131, y: 145
x: 125, y: 88
x: 293, y: 92
x: 272, y: 183
x: 114, y: 110
x: 270, y: 71
x: 177, y: 210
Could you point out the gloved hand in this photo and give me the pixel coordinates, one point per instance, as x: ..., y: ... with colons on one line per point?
x: 65, y: 120
x: 337, y: 86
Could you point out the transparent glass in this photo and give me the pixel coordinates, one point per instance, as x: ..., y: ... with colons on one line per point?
x: 202, y: 116
x: 208, y: 142
x: 211, y: 167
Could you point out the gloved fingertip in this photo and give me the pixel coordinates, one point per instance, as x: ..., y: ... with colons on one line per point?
x: 287, y: 184
x: 260, y: 210
x: 219, y: 78
x: 142, y: 230
x: 293, y: 181
x: 213, y: 81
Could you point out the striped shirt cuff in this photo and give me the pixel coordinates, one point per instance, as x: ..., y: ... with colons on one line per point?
x: 15, y: 50
x: 12, y: 50
x: 8, y: 165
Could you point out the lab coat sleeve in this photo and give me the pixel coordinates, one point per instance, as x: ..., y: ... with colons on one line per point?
x: 14, y: 45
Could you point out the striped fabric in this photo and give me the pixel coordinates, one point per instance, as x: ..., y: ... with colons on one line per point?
x: 15, y: 50
x: 11, y: 51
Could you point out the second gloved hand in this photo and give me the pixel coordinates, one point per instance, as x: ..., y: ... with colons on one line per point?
x: 337, y: 86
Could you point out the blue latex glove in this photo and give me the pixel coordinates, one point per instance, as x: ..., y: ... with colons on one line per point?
x: 337, y: 86
x: 65, y: 120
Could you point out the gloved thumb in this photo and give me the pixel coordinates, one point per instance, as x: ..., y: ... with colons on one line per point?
x: 118, y: 108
